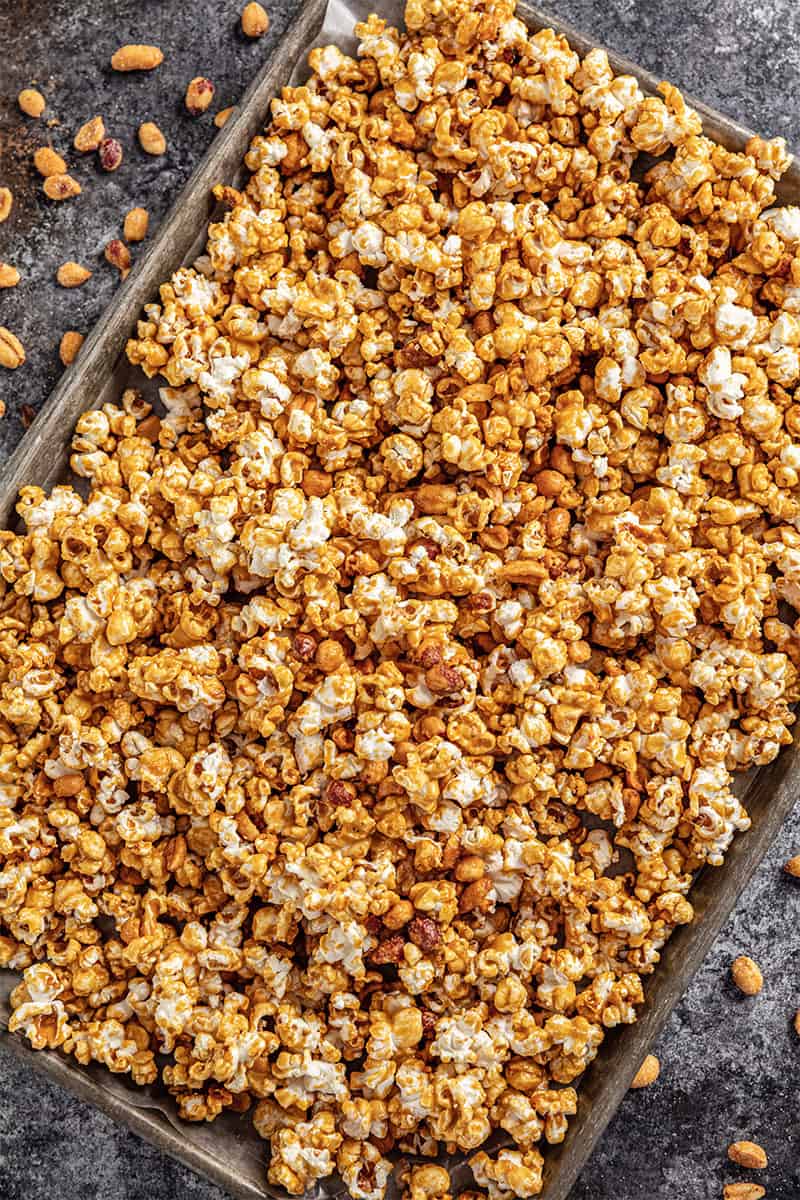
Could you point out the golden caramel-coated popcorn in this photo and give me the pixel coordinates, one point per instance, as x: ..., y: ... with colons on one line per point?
x: 368, y: 713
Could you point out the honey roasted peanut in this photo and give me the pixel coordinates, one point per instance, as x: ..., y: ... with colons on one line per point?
x: 32, y: 102
x: 70, y: 344
x: 648, y: 1072
x: 747, y: 1154
x: 61, y: 187
x: 199, y: 94
x: 135, y: 225
x: 136, y: 58
x: 747, y: 975
x: 255, y: 21
x: 9, y: 276
x: 151, y: 139
x: 90, y: 135
x: 48, y: 162
x: 12, y: 352
x: 72, y: 274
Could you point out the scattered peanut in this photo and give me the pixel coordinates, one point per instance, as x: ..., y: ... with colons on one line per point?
x: 199, y: 95
x: 222, y: 116
x: 135, y: 226
x: 648, y: 1072
x: 747, y: 975
x: 797, y: 1022
x: 31, y: 102
x: 69, y: 346
x: 61, y: 187
x: 9, y: 276
x: 48, y: 162
x: 118, y: 254
x: 110, y: 154
x: 743, y: 1191
x: 748, y: 1154
x: 72, y: 274
x: 792, y: 867
x: 90, y: 135
x: 12, y: 352
x: 255, y: 21
x: 151, y: 139
x: 136, y: 58
x: 6, y: 200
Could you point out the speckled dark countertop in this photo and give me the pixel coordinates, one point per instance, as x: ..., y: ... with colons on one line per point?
x: 729, y: 1064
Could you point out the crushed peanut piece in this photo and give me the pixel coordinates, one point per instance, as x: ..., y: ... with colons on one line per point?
x: 747, y: 975
x: 9, y: 276
x: 792, y: 867
x: 255, y: 20
x: 223, y: 116
x: 648, y: 1072
x: 743, y: 1191
x: 136, y: 58
x: 199, y: 94
x: 72, y: 274
x: 61, y: 187
x: 151, y: 139
x: 90, y: 135
x: 48, y: 162
x: 135, y: 226
x: 12, y: 352
x: 31, y: 102
x: 69, y: 346
x: 6, y: 202
x: 748, y: 1154
x: 371, y: 711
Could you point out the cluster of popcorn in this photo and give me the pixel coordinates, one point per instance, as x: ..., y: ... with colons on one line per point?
x: 362, y: 729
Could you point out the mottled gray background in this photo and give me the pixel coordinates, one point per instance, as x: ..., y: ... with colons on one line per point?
x: 729, y: 1064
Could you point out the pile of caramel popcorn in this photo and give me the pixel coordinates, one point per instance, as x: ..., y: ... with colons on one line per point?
x: 363, y: 726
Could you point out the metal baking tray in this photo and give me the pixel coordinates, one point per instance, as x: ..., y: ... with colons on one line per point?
x: 228, y: 1152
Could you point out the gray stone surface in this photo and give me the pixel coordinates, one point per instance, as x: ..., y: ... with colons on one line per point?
x: 729, y: 1064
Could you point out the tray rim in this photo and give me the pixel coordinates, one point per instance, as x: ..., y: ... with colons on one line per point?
x: 607, y: 1080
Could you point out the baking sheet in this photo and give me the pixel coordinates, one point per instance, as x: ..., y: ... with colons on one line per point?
x: 228, y: 1151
